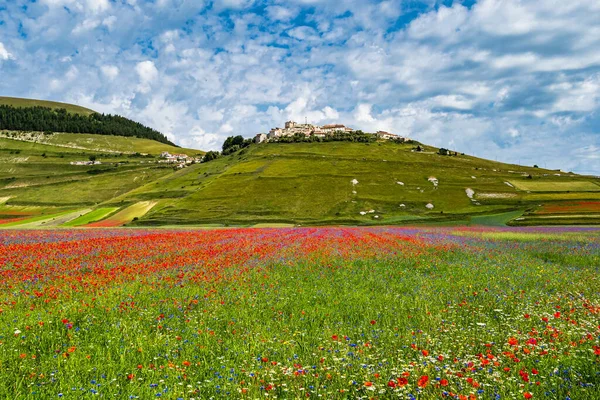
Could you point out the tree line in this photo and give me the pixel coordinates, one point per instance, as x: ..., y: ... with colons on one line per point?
x: 44, y: 119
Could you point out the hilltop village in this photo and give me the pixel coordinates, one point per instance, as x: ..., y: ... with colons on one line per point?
x: 294, y: 129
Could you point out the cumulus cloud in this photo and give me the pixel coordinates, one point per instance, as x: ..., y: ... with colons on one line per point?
x: 494, y: 78
x: 110, y: 71
x: 4, y: 54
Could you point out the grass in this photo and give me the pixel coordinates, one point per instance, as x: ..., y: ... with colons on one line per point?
x: 41, y: 174
x: 333, y: 313
x: 553, y: 186
x: 91, y: 216
x: 19, y: 102
x: 124, y: 216
x: 104, y: 143
x: 310, y: 184
x: 501, y: 219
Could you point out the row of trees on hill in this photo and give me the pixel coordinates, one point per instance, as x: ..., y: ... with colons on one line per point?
x: 44, y: 119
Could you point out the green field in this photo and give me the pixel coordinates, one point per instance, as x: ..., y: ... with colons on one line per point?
x: 24, y: 103
x: 125, y: 216
x: 550, y: 185
x: 92, y: 216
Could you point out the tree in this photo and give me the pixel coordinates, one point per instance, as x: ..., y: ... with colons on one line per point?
x: 209, y: 156
x: 233, y: 141
x: 92, y: 158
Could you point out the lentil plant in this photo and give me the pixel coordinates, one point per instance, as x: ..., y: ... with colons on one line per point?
x: 472, y: 313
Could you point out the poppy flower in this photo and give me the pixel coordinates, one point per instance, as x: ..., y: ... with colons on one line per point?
x: 422, y: 382
x: 527, y: 395
x: 444, y: 382
x: 402, y: 381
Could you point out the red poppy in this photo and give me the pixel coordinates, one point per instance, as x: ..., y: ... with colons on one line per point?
x: 373, y: 322
x: 444, y: 382
x: 423, y: 381
x: 527, y: 395
x: 402, y: 381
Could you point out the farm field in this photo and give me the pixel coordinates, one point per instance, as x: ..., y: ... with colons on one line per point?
x: 335, y: 313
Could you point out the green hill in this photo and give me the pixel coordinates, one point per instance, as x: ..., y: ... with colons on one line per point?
x: 315, y: 183
x: 24, y: 103
x: 40, y: 116
x: 42, y: 183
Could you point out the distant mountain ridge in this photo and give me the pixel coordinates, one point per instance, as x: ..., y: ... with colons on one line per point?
x: 37, y: 115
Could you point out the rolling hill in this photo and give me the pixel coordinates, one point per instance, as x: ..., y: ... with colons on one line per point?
x: 40, y: 116
x: 24, y: 103
x: 272, y: 184
x: 43, y: 181
x: 363, y: 184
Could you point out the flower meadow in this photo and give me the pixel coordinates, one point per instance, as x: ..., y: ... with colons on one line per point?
x: 334, y: 313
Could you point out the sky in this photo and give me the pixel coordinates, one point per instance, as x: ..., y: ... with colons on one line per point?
x: 508, y: 80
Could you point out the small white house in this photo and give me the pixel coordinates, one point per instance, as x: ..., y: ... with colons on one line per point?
x: 261, y: 137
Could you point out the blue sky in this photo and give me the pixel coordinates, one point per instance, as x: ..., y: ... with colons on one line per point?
x: 517, y: 81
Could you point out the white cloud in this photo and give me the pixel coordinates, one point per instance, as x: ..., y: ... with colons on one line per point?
x: 489, y: 79
x: 279, y: 13
x: 363, y: 113
x: 4, y: 54
x: 110, y: 71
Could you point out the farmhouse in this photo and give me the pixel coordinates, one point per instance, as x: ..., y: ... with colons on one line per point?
x: 332, y: 128
x: 389, y: 136
x: 261, y: 137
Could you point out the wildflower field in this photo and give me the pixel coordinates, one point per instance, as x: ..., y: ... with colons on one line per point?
x: 335, y: 313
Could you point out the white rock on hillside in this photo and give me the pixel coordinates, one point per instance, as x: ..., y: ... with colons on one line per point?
x: 470, y: 192
x: 429, y: 206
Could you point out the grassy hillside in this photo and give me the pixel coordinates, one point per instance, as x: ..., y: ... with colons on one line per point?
x: 18, y: 102
x: 275, y: 184
x: 39, y: 185
x: 312, y: 183
x: 100, y: 143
